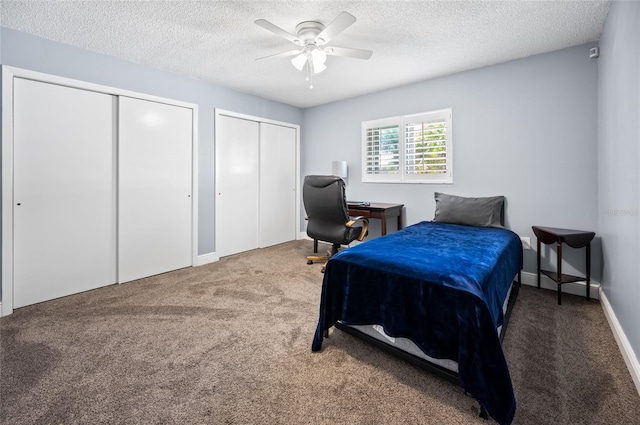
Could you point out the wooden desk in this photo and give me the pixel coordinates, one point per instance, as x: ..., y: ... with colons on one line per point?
x: 374, y: 210
x: 573, y: 238
x: 378, y: 210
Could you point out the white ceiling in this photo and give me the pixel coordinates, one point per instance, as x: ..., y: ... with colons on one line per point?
x: 217, y: 41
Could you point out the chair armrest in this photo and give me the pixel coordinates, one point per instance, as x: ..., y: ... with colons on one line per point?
x: 365, y: 225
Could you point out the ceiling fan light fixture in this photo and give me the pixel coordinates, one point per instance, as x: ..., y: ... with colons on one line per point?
x: 318, y: 57
x: 312, y: 37
x: 318, y: 69
x: 299, y: 61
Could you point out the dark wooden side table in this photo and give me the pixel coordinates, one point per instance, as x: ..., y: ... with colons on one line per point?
x: 573, y: 238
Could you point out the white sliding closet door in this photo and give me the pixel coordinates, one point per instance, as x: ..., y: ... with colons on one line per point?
x: 237, y: 184
x: 277, y: 184
x: 64, y: 212
x: 155, y: 169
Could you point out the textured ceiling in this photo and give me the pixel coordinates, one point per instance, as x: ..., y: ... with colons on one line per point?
x: 217, y: 41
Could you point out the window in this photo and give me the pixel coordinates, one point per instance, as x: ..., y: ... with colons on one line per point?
x: 408, y: 149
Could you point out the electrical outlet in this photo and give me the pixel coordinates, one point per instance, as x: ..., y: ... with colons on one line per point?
x: 526, y: 242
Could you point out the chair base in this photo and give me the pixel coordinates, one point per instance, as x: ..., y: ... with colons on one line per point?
x: 312, y: 258
x: 330, y: 253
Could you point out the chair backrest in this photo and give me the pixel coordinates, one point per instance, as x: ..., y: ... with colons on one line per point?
x: 326, y: 207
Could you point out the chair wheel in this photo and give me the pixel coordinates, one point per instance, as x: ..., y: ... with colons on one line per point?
x: 309, y: 262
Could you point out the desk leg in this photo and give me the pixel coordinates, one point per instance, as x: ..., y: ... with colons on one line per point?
x: 383, y: 224
x: 538, y: 263
x: 559, y: 273
x: 400, y: 220
x: 588, y: 269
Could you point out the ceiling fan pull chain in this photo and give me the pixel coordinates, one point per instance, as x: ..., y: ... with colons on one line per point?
x: 310, y: 73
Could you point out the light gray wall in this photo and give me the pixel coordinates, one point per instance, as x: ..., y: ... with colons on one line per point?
x: 619, y: 164
x: 22, y: 50
x: 525, y: 129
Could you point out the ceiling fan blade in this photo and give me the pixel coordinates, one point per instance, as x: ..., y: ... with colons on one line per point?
x: 282, y: 55
x: 341, y: 23
x: 278, y: 31
x: 348, y: 52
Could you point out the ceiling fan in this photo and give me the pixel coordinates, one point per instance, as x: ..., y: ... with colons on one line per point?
x: 312, y: 38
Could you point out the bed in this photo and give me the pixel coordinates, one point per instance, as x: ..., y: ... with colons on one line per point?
x: 438, y: 294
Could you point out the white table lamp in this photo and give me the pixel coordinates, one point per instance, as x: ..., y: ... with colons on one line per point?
x: 340, y: 169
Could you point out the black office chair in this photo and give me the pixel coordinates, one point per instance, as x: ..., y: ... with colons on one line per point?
x: 328, y: 216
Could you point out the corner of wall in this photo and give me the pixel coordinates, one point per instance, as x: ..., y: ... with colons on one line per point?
x: 629, y: 356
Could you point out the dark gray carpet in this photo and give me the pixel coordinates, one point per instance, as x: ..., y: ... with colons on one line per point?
x: 229, y: 343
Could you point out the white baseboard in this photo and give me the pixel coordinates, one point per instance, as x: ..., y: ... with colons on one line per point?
x: 574, y: 288
x: 630, y: 358
x: 201, y: 260
x: 303, y: 236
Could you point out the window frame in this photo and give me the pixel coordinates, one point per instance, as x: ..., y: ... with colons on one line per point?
x: 401, y: 121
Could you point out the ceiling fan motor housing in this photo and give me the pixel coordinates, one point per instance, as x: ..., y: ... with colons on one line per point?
x: 308, y: 31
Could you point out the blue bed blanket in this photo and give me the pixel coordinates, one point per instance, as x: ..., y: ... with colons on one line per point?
x: 440, y: 285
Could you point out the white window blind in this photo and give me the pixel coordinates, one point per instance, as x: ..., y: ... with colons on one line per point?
x: 382, y: 150
x: 414, y: 148
x: 426, y: 147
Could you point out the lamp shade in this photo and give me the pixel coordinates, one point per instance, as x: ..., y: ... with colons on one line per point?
x: 340, y: 169
x: 299, y: 61
x: 318, y: 57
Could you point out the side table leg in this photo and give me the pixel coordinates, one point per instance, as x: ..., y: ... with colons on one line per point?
x: 538, y: 239
x: 588, y: 269
x: 559, y: 273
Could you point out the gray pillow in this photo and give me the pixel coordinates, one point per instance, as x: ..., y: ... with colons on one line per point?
x: 481, y: 212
